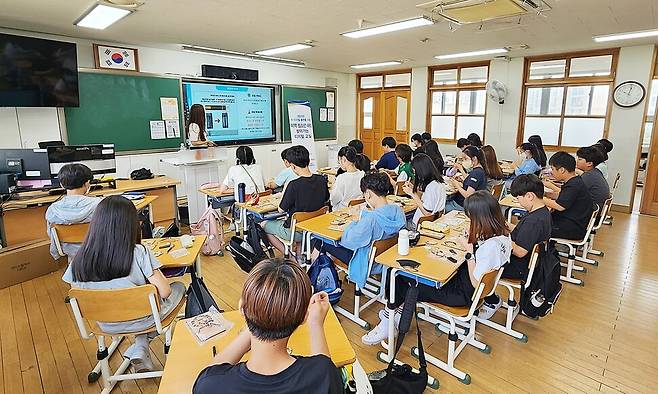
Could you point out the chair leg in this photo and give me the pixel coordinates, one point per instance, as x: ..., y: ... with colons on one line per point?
x: 95, y: 373
x: 513, y: 308
x: 354, y: 316
x: 568, y: 277
x: 167, y: 343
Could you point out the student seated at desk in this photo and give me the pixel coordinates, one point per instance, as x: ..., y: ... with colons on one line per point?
x: 536, y: 141
x: 417, y: 143
x: 112, y: 257
x: 388, y: 161
x: 533, y: 228
x: 75, y: 207
x: 244, y: 171
x: 346, y: 187
x: 381, y: 221
x: 307, y: 193
x: 474, y: 140
x: 286, y: 175
x: 492, y: 168
x: 463, y: 143
x: 472, y: 157
x: 363, y: 163
x: 427, y: 137
x: 276, y: 299
x: 404, y: 171
x: 431, y: 149
x: 573, y: 206
x: 588, y: 159
x: 427, y: 190
x: 196, y: 127
x: 528, y: 162
x: 488, y: 246
x: 606, y: 146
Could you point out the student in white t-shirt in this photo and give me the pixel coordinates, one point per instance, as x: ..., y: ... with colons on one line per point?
x: 347, y: 186
x: 488, y: 247
x: 244, y: 171
x: 427, y: 190
x: 196, y: 127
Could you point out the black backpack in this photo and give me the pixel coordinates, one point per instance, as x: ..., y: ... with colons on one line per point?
x: 140, y: 174
x: 539, y: 297
x: 199, y: 299
x: 251, y: 250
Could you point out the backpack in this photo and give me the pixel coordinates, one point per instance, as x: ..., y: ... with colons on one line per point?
x: 249, y: 251
x: 211, y: 224
x: 324, y: 277
x: 145, y: 224
x: 540, y: 296
x: 199, y: 299
x: 140, y: 174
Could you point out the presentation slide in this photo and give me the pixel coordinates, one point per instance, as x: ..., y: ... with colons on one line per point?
x: 234, y: 113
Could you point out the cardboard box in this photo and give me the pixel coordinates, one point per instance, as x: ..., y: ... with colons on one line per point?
x: 23, y: 262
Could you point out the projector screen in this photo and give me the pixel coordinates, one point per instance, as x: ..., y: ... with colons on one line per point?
x: 235, y: 114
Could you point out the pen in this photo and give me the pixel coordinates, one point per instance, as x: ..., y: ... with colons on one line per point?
x: 214, y: 351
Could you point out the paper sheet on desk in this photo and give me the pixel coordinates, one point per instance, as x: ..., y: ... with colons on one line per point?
x: 208, y: 325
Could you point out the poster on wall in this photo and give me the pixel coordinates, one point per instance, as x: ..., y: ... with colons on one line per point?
x: 301, y: 128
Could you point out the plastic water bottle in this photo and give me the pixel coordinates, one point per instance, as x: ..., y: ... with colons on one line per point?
x: 241, y: 192
x: 403, y: 242
x: 537, y: 300
x: 182, y: 147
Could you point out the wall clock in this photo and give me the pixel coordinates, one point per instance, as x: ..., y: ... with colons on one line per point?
x: 629, y: 94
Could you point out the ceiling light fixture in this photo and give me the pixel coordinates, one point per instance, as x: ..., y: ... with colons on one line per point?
x: 101, y: 16
x: 241, y: 55
x: 283, y: 49
x: 389, y: 27
x: 374, y: 65
x: 626, y: 36
x: 472, y: 54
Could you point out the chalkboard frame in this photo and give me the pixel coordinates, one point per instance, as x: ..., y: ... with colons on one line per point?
x: 284, y: 110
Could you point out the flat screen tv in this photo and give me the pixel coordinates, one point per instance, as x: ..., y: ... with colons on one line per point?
x: 234, y: 113
x: 37, y: 73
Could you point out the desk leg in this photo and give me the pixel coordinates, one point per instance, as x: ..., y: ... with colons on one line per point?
x: 197, y: 266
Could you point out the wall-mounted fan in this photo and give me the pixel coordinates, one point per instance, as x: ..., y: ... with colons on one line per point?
x: 497, y: 91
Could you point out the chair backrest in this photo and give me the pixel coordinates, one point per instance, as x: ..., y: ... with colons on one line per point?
x: 265, y: 193
x: 429, y: 218
x: 604, y: 212
x: 485, y: 288
x: 116, y: 305
x: 383, y: 245
x: 398, y: 188
x: 299, y: 217
x: 615, y: 184
x: 532, y: 264
x: 497, y: 190
x: 592, y: 222
x: 71, y: 233
x: 358, y: 201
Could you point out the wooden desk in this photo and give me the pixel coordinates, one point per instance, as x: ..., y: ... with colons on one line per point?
x: 24, y: 220
x: 214, y: 193
x: 506, y: 167
x: 147, y: 201
x: 187, y: 358
x: 266, y: 204
x: 193, y: 257
x: 510, y: 202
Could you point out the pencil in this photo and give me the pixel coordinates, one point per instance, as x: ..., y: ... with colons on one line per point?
x: 214, y: 351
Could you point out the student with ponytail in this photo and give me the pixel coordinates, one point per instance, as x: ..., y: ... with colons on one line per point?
x: 347, y: 185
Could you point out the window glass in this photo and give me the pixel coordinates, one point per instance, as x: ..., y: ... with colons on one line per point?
x: 587, y: 100
x: 470, y: 124
x: 444, y: 102
x: 474, y: 75
x: 367, y: 112
x: 592, y: 66
x: 582, y: 131
x: 445, y: 77
x: 401, y: 118
x: 443, y: 127
x: 653, y: 97
x: 373, y: 81
x: 547, y: 128
x: 549, y: 69
x: 472, y: 102
x: 393, y: 80
x: 544, y: 101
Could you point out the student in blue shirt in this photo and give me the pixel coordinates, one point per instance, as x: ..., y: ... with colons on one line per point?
x: 388, y: 160
x: 475, y: 180
x: 286, y: 175
x: 529, y: 161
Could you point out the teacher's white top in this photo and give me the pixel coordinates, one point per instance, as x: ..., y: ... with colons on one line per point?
x: 193, y: 132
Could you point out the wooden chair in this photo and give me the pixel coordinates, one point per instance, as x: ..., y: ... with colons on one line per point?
x: 599, y: 223
x: 429, y: 218
x: 497, y: 190
x: 511, y: 305
x: 615, y: 185
x: 573, y: 245
x: 398, y: 188
x: 374, y: 289
x: 299, y: 217
x: 68, y: 233
x: 358, y: 201
x: 120, y: 305
x: 446, y: 319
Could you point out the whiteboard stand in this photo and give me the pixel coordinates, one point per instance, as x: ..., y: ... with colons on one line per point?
x: 199, y: 166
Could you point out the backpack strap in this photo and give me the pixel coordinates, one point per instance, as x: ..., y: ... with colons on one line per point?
x: 250, y: 177
x: 408, y: 313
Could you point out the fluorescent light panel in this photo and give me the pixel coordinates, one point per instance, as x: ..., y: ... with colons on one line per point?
x: 389, y: 27
x: 241, y: 55
x: 474, y: 53
x: 101, y: 16
x: 283, y: 49
x: 626, y: 36
x: 374, y: 65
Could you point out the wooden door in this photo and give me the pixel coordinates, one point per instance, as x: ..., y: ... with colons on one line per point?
x: 369, y: 123
x: 396, y: 116
x: 649, y: 204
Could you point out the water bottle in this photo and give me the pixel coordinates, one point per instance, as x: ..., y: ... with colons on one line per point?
x: 403, y: 242
x: 537, y: 300
x: 182, y: 147
x: 241, y: 192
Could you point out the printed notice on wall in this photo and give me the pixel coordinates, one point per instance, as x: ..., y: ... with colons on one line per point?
x: 323, y: 114
x: 331, y: 115
x: 158, y: 130
x: 331, y: 98
x: 301, y: 128
x: 169, y: 108
x: 173, y: 128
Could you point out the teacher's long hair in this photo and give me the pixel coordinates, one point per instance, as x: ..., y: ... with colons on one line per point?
x: 198, y: 116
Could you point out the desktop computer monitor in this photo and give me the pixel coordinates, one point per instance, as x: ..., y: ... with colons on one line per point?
x: 99, y: 158
x: 27, y: 164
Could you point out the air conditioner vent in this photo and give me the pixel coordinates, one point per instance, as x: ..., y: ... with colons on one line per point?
x: 477, y: 11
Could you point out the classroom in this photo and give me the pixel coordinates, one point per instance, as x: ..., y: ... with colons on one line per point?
x: 328, y: 197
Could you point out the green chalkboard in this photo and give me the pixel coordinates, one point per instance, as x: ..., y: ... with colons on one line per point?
x: 318, y: 99
x: 117, y: 109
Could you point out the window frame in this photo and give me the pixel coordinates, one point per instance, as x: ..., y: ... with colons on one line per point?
x: 565, y: 83
x: 383, y: 74
x: 457, y: 88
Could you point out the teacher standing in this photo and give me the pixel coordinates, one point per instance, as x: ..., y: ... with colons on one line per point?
x: 196, y: 128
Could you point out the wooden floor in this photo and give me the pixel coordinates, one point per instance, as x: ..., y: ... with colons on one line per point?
x: 602, y: 337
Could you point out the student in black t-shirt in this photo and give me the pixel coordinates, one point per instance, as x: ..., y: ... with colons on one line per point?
x: 572, y: 209
x: 276, y: 299
x: 533, y: 228
x: 473, y: 181
x: 307, y: 193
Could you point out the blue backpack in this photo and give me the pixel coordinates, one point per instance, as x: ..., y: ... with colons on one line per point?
x: 324, y: 277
